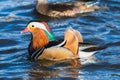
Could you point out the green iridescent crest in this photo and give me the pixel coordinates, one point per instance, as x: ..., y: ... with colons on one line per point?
x: 50, y: 35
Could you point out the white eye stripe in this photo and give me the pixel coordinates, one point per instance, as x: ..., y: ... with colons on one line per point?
x: 39, y: 25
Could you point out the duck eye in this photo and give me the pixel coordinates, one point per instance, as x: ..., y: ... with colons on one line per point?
x: 33, y: 26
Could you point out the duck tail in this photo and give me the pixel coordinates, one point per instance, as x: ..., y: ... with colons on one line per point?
x: 91, y: 3
x: 87, y: 7
x: 95, y: 4
x: 86, y: 50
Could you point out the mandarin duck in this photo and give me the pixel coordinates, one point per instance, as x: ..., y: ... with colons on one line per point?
x: 44, y: 45
x: 66, y: 9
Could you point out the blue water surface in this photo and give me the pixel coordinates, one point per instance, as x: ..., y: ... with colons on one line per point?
x: 100, y: 27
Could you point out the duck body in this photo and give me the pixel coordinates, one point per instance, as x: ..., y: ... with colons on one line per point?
x: 44, y: 47
x: 57, y: 54
x: 65, y: 9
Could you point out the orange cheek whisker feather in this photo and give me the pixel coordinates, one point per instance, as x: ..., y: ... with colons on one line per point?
x: 40, y: 39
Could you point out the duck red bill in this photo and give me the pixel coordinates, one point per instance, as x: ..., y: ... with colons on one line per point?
x: 25, y: 30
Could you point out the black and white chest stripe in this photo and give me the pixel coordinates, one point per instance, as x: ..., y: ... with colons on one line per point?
x: 38, y: 52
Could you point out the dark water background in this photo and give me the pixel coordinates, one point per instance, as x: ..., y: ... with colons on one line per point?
x: 101, y: 28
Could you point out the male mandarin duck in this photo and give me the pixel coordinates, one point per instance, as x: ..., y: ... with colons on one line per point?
x: 43, y: 44
x: 65, y: 9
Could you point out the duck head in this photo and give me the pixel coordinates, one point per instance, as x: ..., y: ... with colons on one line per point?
x: 42, y: 6
x: 41, y: 35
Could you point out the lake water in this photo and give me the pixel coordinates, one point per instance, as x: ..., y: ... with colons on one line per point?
x: 100, y: 27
